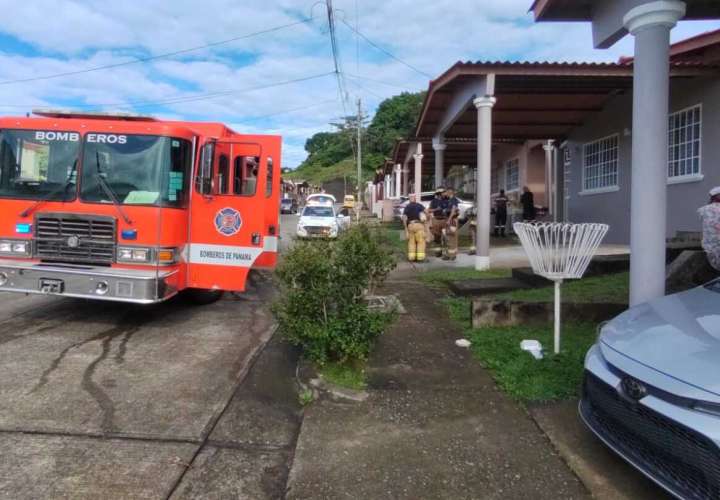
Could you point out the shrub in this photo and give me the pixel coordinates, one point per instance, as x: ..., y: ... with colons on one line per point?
x: 323, y: 283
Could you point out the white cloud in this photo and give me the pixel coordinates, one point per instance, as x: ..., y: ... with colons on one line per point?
x: 72, y: 35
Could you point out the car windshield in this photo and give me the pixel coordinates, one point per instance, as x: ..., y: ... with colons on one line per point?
x: 137, y: 169
x: 318, y: 212
x: 38, y: 164
x: 320, y: 199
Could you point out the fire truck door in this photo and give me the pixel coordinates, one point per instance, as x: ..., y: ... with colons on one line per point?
x: 226, y: 219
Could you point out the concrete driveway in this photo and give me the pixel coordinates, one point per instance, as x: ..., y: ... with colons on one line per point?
x: 104, y: 400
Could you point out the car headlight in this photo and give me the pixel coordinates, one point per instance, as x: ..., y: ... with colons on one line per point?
x: 15, y: 248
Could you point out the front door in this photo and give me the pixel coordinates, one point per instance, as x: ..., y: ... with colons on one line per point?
x: 226, y: 218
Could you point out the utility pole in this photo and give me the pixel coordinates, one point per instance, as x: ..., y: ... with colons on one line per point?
x: 359, y: 159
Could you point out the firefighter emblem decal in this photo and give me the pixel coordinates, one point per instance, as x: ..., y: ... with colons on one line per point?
x: 228, y: 221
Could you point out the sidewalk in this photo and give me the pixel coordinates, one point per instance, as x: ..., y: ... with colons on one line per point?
x: 434, y: 425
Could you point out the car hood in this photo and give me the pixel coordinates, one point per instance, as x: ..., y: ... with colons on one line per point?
x: 317, y: 221
x: 677, y: 335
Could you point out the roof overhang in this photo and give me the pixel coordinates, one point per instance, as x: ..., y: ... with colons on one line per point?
x: 535, y: 101
x: 607, y: 15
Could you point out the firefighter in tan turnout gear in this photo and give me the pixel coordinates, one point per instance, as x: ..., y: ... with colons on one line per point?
x: 450, y: 231
x: 414, y: 218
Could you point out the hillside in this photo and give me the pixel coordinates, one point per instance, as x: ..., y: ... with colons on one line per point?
x: 331, y: 154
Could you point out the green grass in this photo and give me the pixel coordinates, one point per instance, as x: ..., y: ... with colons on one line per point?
x: 439, y: 278
x: 610, y: 288
x: 524, y: 378
x: 350, y: 376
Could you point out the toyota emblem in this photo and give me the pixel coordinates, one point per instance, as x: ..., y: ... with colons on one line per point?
x: 634, y: 389
x: 73, y: 241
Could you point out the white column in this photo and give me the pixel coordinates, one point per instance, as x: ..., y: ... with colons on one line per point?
x: 482, y: 180
x: 650, y: 24
x: 398, y: 181
x: 549, y: 177
x: 439, y: 148
x: 406, y: 179
x: 418, y: 170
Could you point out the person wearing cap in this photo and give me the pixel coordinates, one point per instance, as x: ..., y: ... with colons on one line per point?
x: 438, y: 218
x: 450, y: 232
x: 710, y: 215
x: 414, y: 218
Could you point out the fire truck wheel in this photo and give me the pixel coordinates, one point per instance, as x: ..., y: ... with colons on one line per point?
x: 203, y: 297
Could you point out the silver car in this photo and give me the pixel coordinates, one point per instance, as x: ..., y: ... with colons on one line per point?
x: 652, y: 390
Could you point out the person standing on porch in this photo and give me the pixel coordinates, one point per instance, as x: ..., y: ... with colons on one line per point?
x: 450, y: 232
x: 501, y: 202
x: 710, y: 215
x: 414, y: 218
x: 527, y: 200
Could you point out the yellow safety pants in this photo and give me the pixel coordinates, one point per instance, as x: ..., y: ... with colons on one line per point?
x: 451, y: 239
x: 416, y: 241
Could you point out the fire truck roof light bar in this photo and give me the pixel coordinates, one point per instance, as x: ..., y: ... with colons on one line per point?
x: 93, y: 115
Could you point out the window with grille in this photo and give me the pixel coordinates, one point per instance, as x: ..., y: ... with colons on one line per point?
x: 600, y: 164
x: 512, y: 174
x: 495, y: 179
x: 684, y: 142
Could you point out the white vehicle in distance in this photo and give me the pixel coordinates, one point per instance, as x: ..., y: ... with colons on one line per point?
x: 321, y: 199
x: 320, y: 221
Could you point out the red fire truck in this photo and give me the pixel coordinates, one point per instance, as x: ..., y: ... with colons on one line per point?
x: 134, y: 209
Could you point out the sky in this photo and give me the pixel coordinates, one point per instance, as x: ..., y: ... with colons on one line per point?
x: 276, y: 75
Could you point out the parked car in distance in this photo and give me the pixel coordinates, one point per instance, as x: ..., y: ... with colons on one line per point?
x: 425, y: 198
x: 322, y: 199
x: 319, y: 221
x: 651, y: 390
x: 349, y: 201
x: 288, y: 206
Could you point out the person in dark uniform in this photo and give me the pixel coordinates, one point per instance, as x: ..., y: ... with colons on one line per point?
x: 501, y: 202
x: 414, y: 218
x: 528, y: 204
x: 451, y: 209
x: 436, y: 211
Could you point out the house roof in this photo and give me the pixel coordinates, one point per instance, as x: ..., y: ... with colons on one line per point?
x: 581, y: 10
x: 702, y: 48
x: 534, y: 100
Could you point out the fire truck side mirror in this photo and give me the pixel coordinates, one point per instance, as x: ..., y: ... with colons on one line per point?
x: 203, y: 181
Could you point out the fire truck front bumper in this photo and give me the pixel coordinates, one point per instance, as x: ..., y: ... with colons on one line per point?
x: 88, y: 282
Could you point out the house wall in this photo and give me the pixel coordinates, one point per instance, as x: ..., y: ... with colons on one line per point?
x: 684, y: 198
x: 531, y: 162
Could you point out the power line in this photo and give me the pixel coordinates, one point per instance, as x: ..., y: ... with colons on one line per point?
x: 182, y: 99
x: 159, y: 56
x: 293, y: 110
x: 358, y: 77
x: 389, y: 54
x: 361, y: 87
x: 336, y: 54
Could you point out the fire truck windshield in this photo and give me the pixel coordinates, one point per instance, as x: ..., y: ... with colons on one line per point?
x: 135, y: 169
x: 37, y: 164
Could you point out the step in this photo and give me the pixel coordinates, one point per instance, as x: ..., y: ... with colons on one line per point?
x: 476, y: 287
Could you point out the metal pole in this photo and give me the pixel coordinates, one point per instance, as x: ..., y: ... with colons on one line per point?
x: 557, y: 315
x: 359, y: 157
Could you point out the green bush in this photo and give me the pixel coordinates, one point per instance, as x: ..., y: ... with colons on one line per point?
x: 323, y: 284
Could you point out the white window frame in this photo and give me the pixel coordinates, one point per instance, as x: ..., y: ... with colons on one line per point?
x: 603, y: 189
x: 693, y: 177
x: 512, y: 163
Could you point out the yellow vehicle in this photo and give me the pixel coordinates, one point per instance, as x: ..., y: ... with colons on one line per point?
x: 349, y: 201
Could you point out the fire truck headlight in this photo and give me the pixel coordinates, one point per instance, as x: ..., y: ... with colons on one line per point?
x: 15, y: 247
x: 134, y: 255
x: 3, y: 279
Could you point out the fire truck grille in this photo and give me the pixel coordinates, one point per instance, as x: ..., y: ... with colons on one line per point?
x: 76, y: 239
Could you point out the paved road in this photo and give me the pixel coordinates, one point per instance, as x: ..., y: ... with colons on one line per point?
x: 104, y: 400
